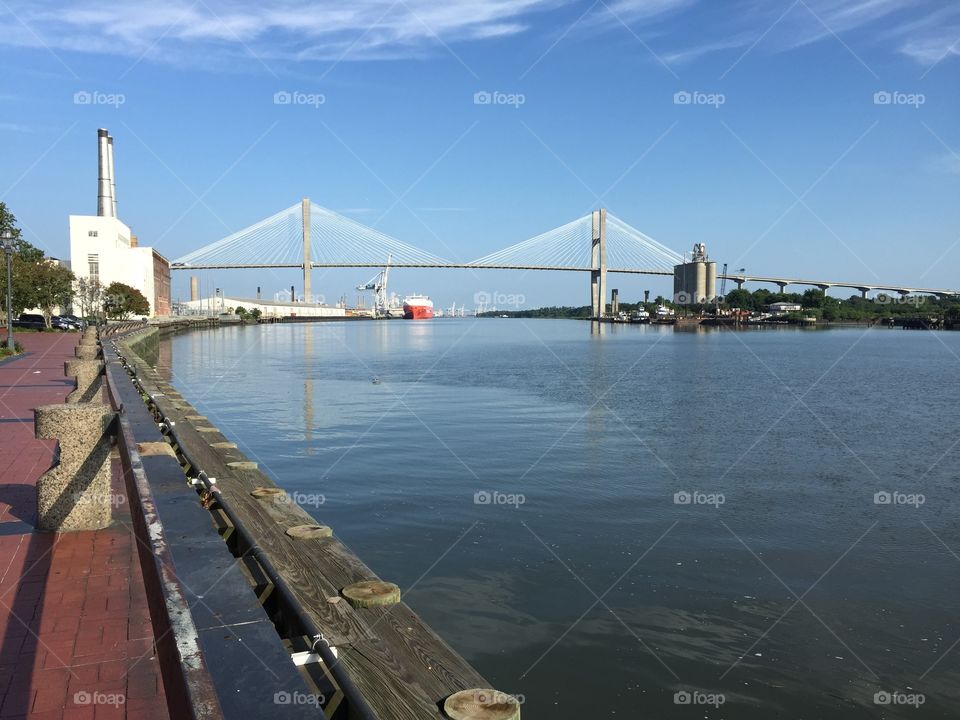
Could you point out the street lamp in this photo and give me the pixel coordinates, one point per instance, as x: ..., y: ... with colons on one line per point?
x: 7, y: 237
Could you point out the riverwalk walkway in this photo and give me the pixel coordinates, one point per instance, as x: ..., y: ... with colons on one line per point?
x: 76, y: 641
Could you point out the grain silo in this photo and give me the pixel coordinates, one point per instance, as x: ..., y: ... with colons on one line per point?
x: 695, y: 282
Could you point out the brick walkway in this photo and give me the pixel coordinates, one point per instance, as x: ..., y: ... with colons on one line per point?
x: 75, y: 633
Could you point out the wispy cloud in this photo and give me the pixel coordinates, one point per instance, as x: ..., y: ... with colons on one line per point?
x: 945, y: 164
x: 923, y: 30
x: 205, y: 32
x: 269, y: 28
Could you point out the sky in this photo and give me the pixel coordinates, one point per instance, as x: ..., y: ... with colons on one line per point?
x: 814, y: 138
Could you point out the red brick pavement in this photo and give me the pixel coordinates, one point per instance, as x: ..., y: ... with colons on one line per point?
x: 76, y: 640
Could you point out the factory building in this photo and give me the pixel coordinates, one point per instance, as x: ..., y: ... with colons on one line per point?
x: 695, y: 282
x: 102, y: 248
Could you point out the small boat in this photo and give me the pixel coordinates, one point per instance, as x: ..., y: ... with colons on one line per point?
x: 665, y: 316
x: 640, y: 316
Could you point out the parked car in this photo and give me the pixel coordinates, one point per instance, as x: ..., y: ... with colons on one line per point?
x: 30, y: 322
x: 64, y: 322
x: 79, y: 321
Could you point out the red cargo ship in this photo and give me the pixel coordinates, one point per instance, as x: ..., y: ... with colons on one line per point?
x: 417, y: 307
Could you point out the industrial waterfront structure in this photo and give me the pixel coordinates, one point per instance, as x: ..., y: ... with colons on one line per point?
x: 104, y: 250
x: 695, y: 282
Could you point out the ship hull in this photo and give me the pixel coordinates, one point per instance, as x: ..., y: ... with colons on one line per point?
x: 417, y: 312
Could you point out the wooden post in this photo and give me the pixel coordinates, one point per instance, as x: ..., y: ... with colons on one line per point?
x: 481, y: 704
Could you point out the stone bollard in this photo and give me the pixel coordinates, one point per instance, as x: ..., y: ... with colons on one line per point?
x: 87, y: 352
x: 75, y: 493
x: 88, y: 374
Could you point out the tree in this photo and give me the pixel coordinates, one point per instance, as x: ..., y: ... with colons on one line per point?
x: 813, y: 298
x: 22, y: 248
x: 121, y: 301
x: 740, y: 298
x: 89, y: 293
x: 53, y: 287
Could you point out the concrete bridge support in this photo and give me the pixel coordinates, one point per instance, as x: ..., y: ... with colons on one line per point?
x: 598, y: 257
x: 305, y: 204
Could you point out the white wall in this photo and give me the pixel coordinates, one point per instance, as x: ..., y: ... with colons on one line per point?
x: 118, y: 261
x: 218, y: 305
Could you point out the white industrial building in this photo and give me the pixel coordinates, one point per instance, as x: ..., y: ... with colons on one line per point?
x: 268, y: 308
x: 102, y: 247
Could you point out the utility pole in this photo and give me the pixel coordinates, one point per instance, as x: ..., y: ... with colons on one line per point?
x: 7, y: 238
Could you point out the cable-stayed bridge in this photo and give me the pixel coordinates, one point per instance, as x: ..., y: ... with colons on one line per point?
x: 308, y: 236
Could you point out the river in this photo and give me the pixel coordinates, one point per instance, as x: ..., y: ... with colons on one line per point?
x: 630, y: 521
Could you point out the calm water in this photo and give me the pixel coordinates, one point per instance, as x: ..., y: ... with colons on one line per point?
x: 583, y: 585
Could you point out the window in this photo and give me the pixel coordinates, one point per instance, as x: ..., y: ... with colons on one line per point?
x: 94, y: 262
x: 91, y: 233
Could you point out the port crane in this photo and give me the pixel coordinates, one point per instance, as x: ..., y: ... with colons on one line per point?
x: 378, y: 283
x: 723, y: 290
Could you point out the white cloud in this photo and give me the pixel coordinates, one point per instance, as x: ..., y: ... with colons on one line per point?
x: 946, y: 164
x: 291, y: 29
x: 919, y: 29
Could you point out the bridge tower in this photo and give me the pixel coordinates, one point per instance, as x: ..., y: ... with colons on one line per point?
x: 598, y: 264
x: 307, y: 266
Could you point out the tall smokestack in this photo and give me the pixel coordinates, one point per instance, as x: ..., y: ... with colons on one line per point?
x: 194, y: 287
x: 104, y: 198
x: 113, y: 177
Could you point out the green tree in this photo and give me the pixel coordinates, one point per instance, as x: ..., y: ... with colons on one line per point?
x: 813, y: 298
x: 22, y: 248
x: 53, y: 286
x: 121, y: 301
x: 740, y: 298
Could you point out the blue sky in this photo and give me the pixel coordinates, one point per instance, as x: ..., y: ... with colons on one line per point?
x: 785, y: 163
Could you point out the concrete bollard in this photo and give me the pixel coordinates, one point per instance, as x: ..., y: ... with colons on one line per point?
x: 88, y: 374
x: 75, y: 493
x: 87, y: 352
